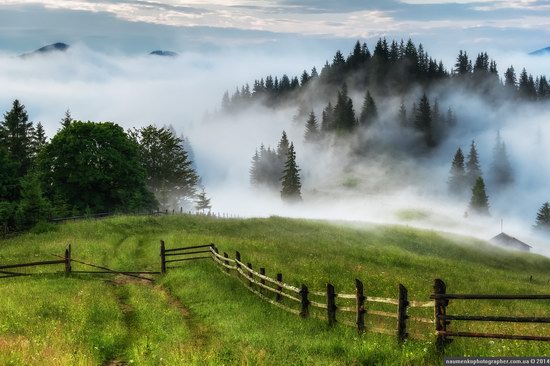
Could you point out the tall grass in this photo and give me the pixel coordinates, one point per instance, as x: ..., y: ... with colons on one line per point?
x: 198, y: 315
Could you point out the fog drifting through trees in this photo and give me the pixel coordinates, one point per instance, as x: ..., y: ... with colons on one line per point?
x: 186, y: 92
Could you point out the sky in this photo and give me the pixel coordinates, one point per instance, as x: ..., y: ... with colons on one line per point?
x: 137, y: 26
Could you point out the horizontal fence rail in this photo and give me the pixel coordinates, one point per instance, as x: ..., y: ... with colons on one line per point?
x: 443, y: 320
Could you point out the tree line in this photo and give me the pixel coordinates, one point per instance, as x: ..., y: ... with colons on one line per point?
x: 90, y: 167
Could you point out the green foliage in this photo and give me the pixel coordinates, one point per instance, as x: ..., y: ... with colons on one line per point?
x: 33, y: 207
x: 291, y: 184
x: 479, y: 203
x: 203, y: 202
x: 501, y: 169
x: 543, y: 218
x: 168, y: 170
x: 344, y: 114
x: 369, y: 113
x: 473, y: 170
x: 423, y: 121
x: 312, y: 133
x: 457, y: 179
x: 96, y: 166
x: 16, y: 133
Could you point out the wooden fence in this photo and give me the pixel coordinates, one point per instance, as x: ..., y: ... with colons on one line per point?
x: 14, y: 270
x: 443, y: 320
x: 302, y: 301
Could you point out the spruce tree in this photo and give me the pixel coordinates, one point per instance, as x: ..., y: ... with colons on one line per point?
x: 423, y: 121
x: 543, y: 218
x: 369, y: 113
x: 473, y: 170
x: 457, y: 177
x: 479, y: 203
x: 282, y: 148
x: 67, y: 119
x: 501, y: 169
x: 327, y: 121
x: 16, y: 136
x: 312, y: 129
x: 203, y: 202
x: 344, y: 115
x: 402, y: 115
x: 255, y: 178
x: 291, y: 185
x: 38, y: 139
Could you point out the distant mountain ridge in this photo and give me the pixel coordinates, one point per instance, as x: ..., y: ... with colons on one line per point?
x: 542, y: 51
x: 164, y: 53
x: 51, y: 48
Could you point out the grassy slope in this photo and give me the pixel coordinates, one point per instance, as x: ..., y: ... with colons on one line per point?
x: 92, y: 321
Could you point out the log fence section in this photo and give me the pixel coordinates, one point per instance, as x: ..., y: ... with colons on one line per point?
x: 443, y: 319
x: 262, y: 285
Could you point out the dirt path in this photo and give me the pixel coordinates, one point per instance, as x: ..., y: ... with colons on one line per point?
x: 200, y: 338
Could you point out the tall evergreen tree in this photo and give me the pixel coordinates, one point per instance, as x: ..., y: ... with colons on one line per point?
x: 255, y: 178
x: 327, y: 121
x: 291, y: 184
x: 169, y: 172
x: 501, y: 169
x: 423, y: 121
x: 282, y: 147
x: 473, y: 169
x: 344, y: 114
x: 312, y: 129
x: 38, y: 139
x: 369, y: 113
x: 402, y: 115
x: 202, y: 202
x: 543, y: 218
x: 16, y: 136
x: 67, y: 118
x: 479, y: 203
x: 457, y: 178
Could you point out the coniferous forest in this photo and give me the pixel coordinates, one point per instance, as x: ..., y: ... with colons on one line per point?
x: 391, y: 105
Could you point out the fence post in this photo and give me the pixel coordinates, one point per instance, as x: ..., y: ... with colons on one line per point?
x: 181, y: 210
x: 331, y: 304
x: 68, y: 260
x: 360, y: 305
x: 214, y: 248
x: 304, y: 311
x: 262, y: 281
x: 162, y: 258
x: 402, y: 314
x: 278, y: 297
x: 225, y: 255
x: 250, y: 283
x: 237, y: 260
x: 440, y: 310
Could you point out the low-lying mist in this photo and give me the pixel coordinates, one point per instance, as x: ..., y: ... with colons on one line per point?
x: 186, y: 92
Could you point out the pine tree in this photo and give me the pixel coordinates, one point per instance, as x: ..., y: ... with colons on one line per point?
x: 16, y: 136
x: 327, y: 121
x: 457, y: 177
x: 369, y: 113
x: 344, y: 115
x: 501, y: 169
x: 291, y: 185
x: 423, y: 121
x: 38, y: 139
x: 543, y: 218
x: 282, y: 148
x: 67, y: 119
x: 479, y: 203
x: 473, y: 170
x: 203, y: 202
x: 510, y: 80
x: 402, y: 115
x: 255, y: 178
x: 312, y: 129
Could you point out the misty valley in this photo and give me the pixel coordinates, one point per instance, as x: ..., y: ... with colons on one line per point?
x: 385, y: 208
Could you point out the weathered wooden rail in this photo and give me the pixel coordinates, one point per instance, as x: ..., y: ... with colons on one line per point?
x: 66, y: 261
x: 443, y: 320
x: 300, y: 300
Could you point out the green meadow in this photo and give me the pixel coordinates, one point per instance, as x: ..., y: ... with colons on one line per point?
x: 198, y: 315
